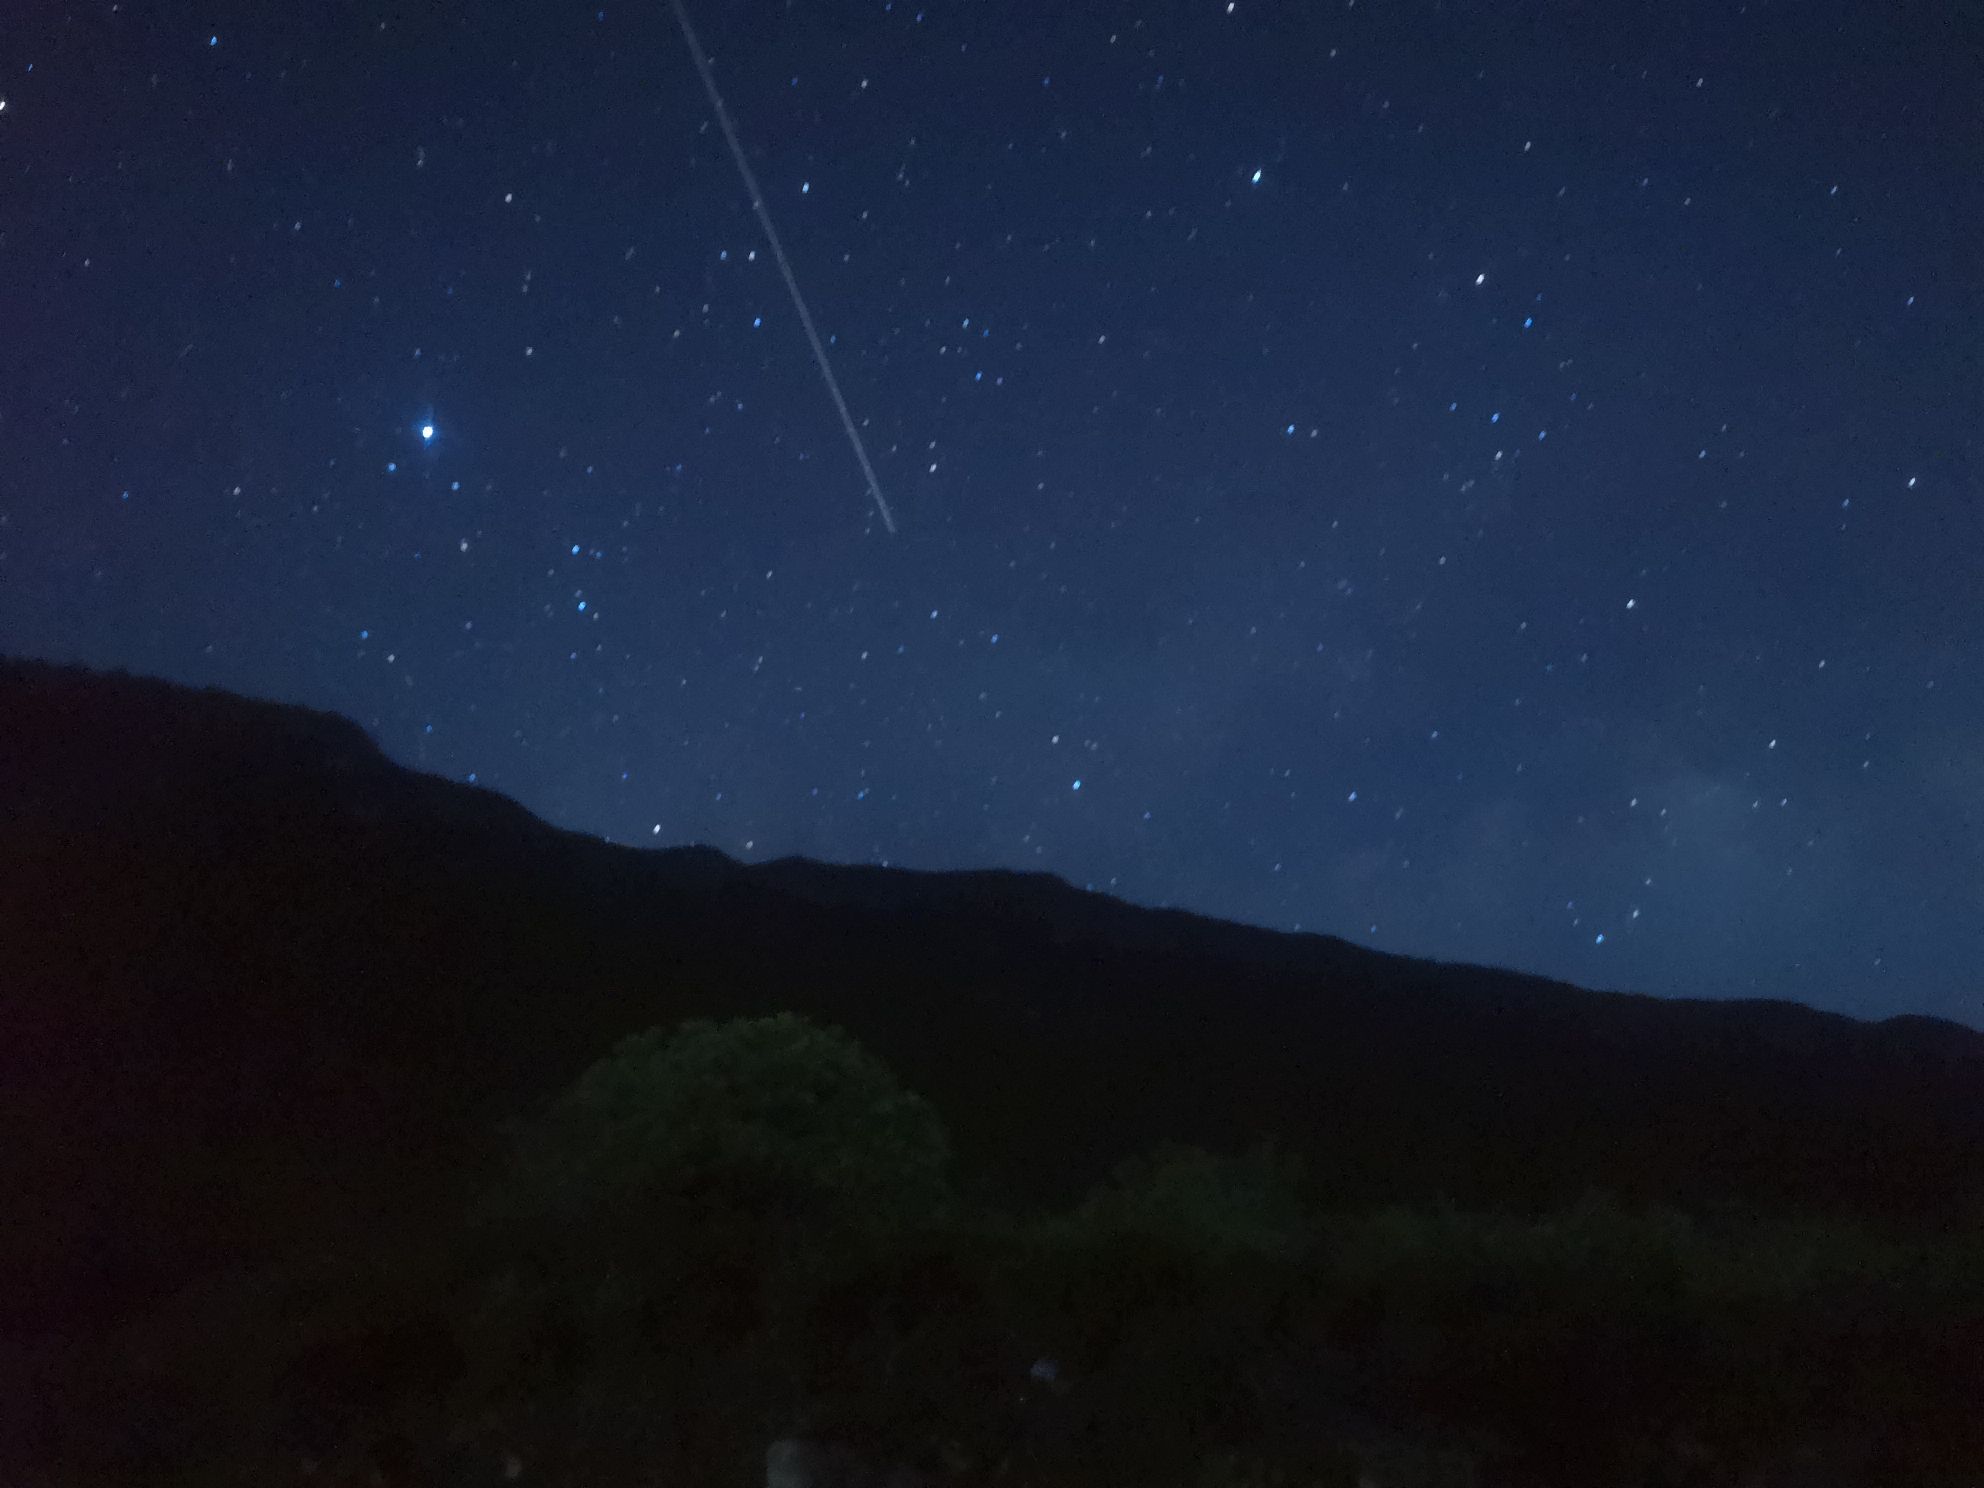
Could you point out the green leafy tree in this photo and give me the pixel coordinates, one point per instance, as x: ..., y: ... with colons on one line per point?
x: 666, y: 1223
x: 761, y: 1123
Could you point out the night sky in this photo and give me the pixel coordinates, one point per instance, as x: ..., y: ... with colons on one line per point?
x: 1494, y: 481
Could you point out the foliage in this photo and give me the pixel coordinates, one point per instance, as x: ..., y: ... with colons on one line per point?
x: 721, y: 1234
x: 780, y: 1254
x: 755, y: 1123
x: 1212, y: 1205
x: 1592, y: 1338
x: 666, y: 1225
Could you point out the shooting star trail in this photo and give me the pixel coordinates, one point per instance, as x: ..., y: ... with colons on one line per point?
x: 785, y: 268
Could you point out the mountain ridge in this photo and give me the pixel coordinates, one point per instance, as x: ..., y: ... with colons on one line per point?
x: 349, y: 749
x: 248, y: 943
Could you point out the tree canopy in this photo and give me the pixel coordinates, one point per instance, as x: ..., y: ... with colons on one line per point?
x: 760, y: 1121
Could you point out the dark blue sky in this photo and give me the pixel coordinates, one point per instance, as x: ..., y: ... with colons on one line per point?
x: 1493, y: 481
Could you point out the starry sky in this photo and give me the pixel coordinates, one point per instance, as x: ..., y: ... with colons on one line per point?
x: 1495, y: 481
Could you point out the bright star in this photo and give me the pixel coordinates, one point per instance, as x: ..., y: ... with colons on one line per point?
x: 426, y: 432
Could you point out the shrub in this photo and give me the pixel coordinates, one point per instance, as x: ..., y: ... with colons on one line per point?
x: 1215, y: 1206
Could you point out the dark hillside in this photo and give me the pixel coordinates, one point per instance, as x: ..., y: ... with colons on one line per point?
x: 260, y: 982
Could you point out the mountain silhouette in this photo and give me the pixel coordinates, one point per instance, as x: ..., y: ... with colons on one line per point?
x: 263, y: 986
